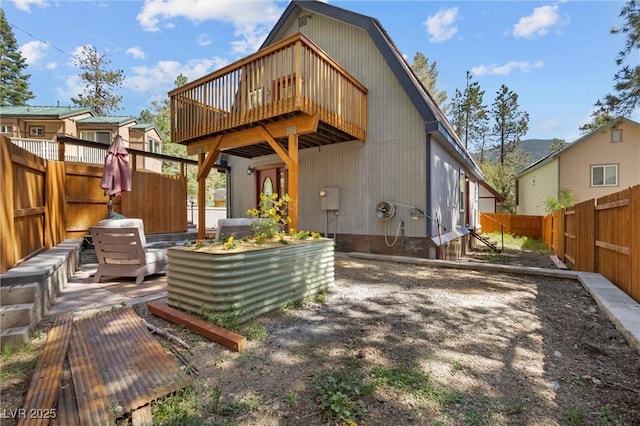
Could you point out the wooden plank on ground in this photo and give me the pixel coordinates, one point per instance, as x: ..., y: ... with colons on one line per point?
x: 45, y: 383
x: 66, y: 409
x: 220, y: 335
x: 142, y: 416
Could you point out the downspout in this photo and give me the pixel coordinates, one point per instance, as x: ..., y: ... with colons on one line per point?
x: 429, y: 204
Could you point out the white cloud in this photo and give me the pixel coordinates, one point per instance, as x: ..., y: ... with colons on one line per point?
x: 25, y: 5
x: 72, y: 88
x: 506, y: 69
x: 538, y: 23
x: 136, y: 52
x: 51, y: 66
x: 250, y: 19
x: 162, y: 75
x: 442, y: 25
x: 204, y: 40
x: 33, y: 51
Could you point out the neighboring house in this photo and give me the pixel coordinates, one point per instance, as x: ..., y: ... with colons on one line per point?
x: 45, y: 123
x: 488, y: 198
x: 330, y: 112
x: 604, y: 161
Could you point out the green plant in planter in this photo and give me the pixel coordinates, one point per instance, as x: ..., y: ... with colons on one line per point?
x: 271, y: 217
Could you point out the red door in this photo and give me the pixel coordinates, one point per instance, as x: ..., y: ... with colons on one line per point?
x: 271, y: 180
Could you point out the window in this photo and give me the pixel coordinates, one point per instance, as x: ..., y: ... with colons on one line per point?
x: 97, y: 136
x: 616, y: 135
x: 604, y: 175
x: 6, y: 128
x: 154, y: 146
x: 255, y: 98
x: 36, y: 131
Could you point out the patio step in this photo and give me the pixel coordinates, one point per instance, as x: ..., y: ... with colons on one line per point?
x: 14, y: 336
x: 20, y: 293
x: 18, y: 315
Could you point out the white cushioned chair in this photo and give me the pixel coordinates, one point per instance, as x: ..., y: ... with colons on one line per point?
x: 122, y: 250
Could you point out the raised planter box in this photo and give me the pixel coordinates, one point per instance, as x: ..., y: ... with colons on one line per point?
x: 248, y: 283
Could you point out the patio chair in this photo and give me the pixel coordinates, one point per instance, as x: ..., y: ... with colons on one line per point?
x: 122, y: 250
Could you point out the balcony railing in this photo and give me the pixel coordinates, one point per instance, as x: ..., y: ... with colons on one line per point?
x: 292, y: 76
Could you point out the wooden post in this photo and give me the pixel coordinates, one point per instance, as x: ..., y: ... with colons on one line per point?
x: 634, y: 253
x: 8, y: 248
x: 293, y: 179
x: 202, y: 192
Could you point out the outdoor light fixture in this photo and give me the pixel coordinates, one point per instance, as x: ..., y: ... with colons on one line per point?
x: 250, y: 170
x: 323, y: 193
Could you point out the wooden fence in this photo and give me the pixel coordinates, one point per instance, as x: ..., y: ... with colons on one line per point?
x: 599, y: 235
x: 44, y: 202
x: 518, y: 225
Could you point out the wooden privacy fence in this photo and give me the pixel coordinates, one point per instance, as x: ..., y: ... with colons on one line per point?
x: 518, y: 225
x: 45, y: 202
x: 599, y: 235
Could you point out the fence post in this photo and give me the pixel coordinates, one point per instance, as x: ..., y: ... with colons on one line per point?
x: 634, y: 254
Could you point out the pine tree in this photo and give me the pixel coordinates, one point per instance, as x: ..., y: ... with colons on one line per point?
x: 14, y: 84
x: 469, y: 114
x: 100, y: 83
x: 510, y: 122
x: 428, y: 75
x: 627, y: 79
x: 598, y: 118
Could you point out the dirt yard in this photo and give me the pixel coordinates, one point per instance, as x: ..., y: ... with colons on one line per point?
x: 394, y: 344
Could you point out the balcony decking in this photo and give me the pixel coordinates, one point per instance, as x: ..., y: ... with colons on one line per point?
x: 291, y: 83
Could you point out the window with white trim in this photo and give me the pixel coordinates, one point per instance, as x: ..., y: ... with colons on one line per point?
x: 6, y: 128
x: 604, y: 175
x: 36, y: 131
x: 96, y: 136
x: 154, y: 146
x: 616, y: 135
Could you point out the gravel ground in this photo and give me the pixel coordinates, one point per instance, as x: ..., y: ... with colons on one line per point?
x: 395, y: 344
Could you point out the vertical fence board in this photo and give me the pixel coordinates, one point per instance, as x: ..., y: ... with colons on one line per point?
x: 585, y: 236
x: 634, y: 235
x: 612, y: 242
x: 8, y: 250
x: 558, y: 237
x: 55, y: 231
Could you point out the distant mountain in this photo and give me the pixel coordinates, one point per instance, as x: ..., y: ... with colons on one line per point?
x: 536, y: 148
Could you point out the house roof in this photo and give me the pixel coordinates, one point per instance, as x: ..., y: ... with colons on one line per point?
x: 493, y: 192
x: 434, y: 119
x: 54, y: 112
x: 113, y: 120
x: 143, y: 127
x: 554, y: 154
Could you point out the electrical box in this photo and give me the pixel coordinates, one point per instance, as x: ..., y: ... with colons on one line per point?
x: 330, y: 199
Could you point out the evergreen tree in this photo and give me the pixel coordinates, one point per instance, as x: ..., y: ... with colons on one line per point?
x: 556, y: 145
x: 627, y: 79
x: 14, y: 84
x: 469, y: 115
x: 100, y: 83
x: 428, y: 75
x: 510, y: 122
x: 598, y: 118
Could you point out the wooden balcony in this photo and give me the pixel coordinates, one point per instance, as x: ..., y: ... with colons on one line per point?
x: 273, y: 88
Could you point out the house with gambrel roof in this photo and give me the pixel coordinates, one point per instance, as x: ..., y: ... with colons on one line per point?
x: 329, y: 112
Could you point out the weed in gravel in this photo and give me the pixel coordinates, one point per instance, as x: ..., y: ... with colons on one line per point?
x: 290, y: 399
x: 255, y: 330
x: 340, y: 395
x: 180, y: 408
x: 229, y: 318
x: 574, y: 417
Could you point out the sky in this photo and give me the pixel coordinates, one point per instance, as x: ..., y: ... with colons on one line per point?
x: 559, y: 57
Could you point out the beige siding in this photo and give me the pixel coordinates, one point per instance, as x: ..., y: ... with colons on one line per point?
x: 597, y: 149
x: 389, y: 166
x: 535, y: 187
